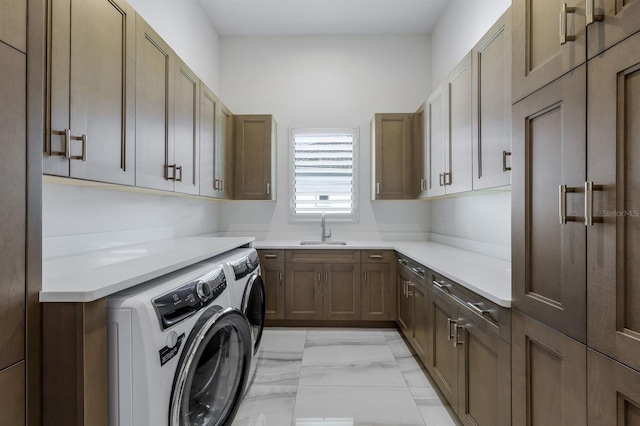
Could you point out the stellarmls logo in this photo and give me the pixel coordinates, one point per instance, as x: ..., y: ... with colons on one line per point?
x: 621, y: 213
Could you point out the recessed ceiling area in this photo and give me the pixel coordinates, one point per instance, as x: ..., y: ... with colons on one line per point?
x: 323, y: 17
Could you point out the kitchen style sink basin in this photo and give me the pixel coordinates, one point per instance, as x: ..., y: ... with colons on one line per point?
x: 323, y: 243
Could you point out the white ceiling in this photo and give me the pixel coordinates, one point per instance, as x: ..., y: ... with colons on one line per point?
x: 323, y: 17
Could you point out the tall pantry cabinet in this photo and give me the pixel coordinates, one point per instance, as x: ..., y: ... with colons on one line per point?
x: 13, y: 189
x: 575, y: 204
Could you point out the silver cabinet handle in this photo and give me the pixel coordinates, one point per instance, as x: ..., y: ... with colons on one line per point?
x: 179, y: 168
x: 280, y: 275
x: 423, y: 184
x: 441, y: 179
x: 215, y: 184
x: 562, y: 204
x: 590, y: 15
x: 564, y: 11
x: 418, y: 271
x: 477, y: 309
x: 268, y: 188
x: 450, y: 322
x: 589, y: 187
x: 505, y: 154
x: 320, y: 277
x: 377, y: 187
x: 221, y: 184
x: 442, y: 286
x: 270, y: 256
x: 447, y: 178
x: 365, y: 278
x: 166, y: 172
x: 456, y: 342
x: 409, y: 285
x: 82, y: 138
x: 375, y: 256
x: 402, y: 261
x: 66, y: 150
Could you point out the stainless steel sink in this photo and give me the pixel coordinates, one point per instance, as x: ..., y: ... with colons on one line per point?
x: 323, y: 243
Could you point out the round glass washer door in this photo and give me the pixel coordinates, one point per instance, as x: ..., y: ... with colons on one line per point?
x: 253, y: 306
x: 213, y: 370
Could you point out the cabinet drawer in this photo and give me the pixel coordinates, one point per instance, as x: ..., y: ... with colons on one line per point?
x: 378, y: 256
x: 324, y: 256
x: 488, y: 314
x: 270, y: 256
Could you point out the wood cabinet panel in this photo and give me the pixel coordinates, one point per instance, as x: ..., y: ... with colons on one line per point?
x: 75, y: 355
x: 420, y: 332
x: 548, y: 257
x: 304, y: 291
x: 405, y: 303
x: 154, y: 109
x: 255, y: 153
x: 613, y: 277
x: 548, y: 375
x: 378, y: 291
x: 538, y: 55
x: 324, y: 256
x: 442, y: 356
x: 392, y: 161
x: 614, y: 392
x: 618, y: 19
x: 491, y: 62
x: 342, y: 291
x: 13, y: 190
x: 272, y: 271
x: 13, y: 23
x: 209, y: 105
x: 12, y: 395
x: 91, y: 91
x: 484, y: 375
x: 187, y: 127
x: 378, y: 256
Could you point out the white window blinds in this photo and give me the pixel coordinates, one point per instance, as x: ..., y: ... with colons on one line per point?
x: 323, y: 173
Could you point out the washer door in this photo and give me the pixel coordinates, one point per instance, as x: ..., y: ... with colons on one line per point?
x: 213, y: 370
x: 253, y: 308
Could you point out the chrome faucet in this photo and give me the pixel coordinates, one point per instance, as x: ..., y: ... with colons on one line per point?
x: 324, y: 235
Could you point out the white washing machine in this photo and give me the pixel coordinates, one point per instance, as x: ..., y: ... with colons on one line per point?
x: 246, y: 292
x: 179, y: 354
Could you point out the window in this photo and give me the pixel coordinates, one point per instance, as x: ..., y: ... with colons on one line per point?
x: 323, y: 173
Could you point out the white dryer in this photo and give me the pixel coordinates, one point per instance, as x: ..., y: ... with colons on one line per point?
x: 246, y: 292
x: 178, y: 353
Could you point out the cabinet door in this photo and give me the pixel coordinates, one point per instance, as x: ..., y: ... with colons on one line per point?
x: 13, y: 23
x: 208, y: 111
x: 405, y: 304
x: 342, y: 291
x: 539, y: 56
x: 442, y: 356
x: 224, y: 159
x: 253, y: 157
x: 613, y: 244
x: 304, y: 291
x: 272, y: 270
x: 614, y: 392
x: 13, y: 189
x: 92, y: 92
x: 155, y: 167
x: 420, y: 159
x: 548, y: 257
x: 12, y: 395
x: 392, y: 156
x: 459, y: 149
x: 420, y: 333
x: 186, y: 126
x: 484, y: 375
x: 610, y: 22
x: 437, y: 138
x: 377, y: 292
x: 548, y: 372
x: 492, y: 106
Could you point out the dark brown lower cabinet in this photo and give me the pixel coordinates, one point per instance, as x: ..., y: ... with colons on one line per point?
x: 12, y: 395
x: 484, y: 375
x: 303, y: 291
x: 378, y: 301
x: 272, y: 271
x: 405, y: 304
x: 443, y: 355
x: 549, y: 371
x: 419, y: 336
x: 614, y: 392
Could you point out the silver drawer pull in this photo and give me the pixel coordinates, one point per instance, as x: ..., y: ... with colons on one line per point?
x: 270, y: 256
x: 589, y: 187
x: 418, y: 271
x: 442, y: 286
x: 477, y: 309
x: 456, y: 341
x: 375, y: 256
x: 450, y: 322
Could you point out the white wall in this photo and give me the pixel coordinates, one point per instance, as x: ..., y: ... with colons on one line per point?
x: 324, y: 81
x: 185, y: 27
x: 77, y: 218
x: 480, y: 223
x: 463, y: 23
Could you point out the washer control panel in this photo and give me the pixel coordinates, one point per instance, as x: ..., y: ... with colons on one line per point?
x: 184, y: 301
x: 245, y: 265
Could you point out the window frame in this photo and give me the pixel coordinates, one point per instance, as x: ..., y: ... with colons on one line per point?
x: 333, y: 217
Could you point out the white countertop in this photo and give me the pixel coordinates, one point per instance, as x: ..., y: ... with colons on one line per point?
x: 90, y: 276
x: 487, y: 276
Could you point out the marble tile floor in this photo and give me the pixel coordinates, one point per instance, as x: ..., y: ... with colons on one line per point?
x: 340, y: 377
